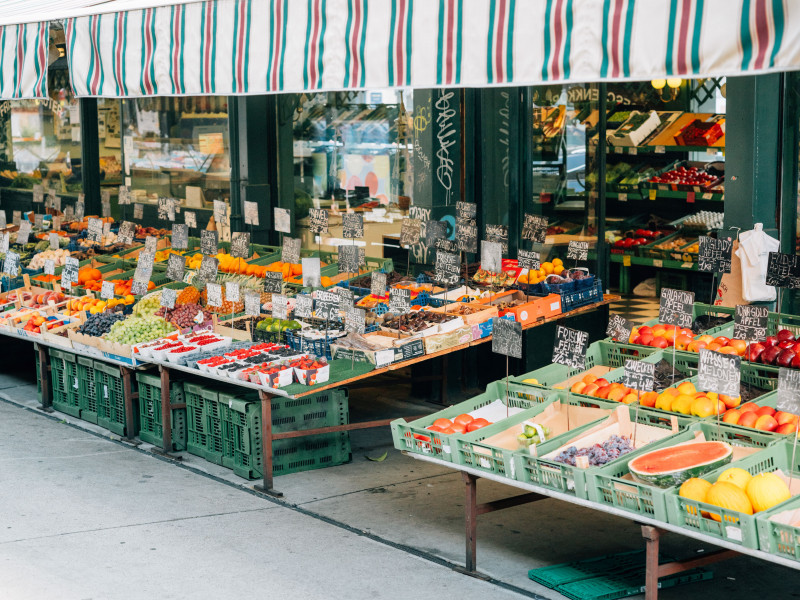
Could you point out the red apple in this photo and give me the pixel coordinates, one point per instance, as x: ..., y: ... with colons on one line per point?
x: 770, y: 355
x: 785, y: 334
x: 785, y: 358
x: 755, y: 352
x: 796, y: 360
x: 786, y: 344
x: 770, y: 341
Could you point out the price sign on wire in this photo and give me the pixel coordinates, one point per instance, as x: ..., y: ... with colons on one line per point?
x: 303, y: 306
x: 377, y: 283
x: 190, y: 218
x: 168, y: 298
x: 16, y: 217
x: 38, y: 220
x: 619, y: 328
x: 528, y: 259
x: 220, y: 212
x: 719, y: 373
x: 639, y: 375
x: 312, y: 272
x: 750, y: 323
x: 578, y: 250
x: 467, y: 235
x: 280, y: 307
x: 434, y: 231
x: 127, y: 231
x: 208, y: 269
x: 318, y: 220
x: 491, y: 256
x: 232, y: 291
x: 144, y: 266
x: 209, y: 242
x: 783, y: 270
x: 94, y: 230
x: 11, y: 264
x: 570, y: 347
x: 788, y: 391
x: 180, y: 236
x: 346, y: 297
x: 676, y: 307
x: 283, y: 219
x: 138, y: 211
x: 240, y: 244
x: 499, y: 234
x: 4, y: 242
x: 399, y: 301
x: 273, y: 282
x: 55, y: 241
x: 139, y: 288
x: 410, y: 232
x: 163, y: 209
x: 327, y: 305
x: 352, y: 226
x: 176, y: 266
x: 151, y: 244
x: 107, y: 290
x: 124, y: 195
x: 466, y: 211
x: 252, y: 304
x: 448, y: 268
x: 23, y: 232
x: 69, y: 274
x: 507, y: 337
x: 250, y: 213
x: 290, y: 251
x: 214, y: 294
x: 714, y: 255
x: 349, y: 259
x: 355, y: 319
x: 534, y: 228
x: 38, y: 193
x: 49, y: 267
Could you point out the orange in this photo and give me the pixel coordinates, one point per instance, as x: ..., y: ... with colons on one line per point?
x: 740, y: 346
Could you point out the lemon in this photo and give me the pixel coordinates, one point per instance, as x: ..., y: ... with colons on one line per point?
x: 531, y: 381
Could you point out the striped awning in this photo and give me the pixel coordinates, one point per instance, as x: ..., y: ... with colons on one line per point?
x: 262, y: 46
x: 23, y: 60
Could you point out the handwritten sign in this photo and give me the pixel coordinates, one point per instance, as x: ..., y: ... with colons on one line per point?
x: 38, y: 193
x: 252, y: 304
x: 788, y: 391
x: 570, y: 347
x: 38, y: 220
x: 750, y: 323
x: 69, y: 274
x: 107, y: 290
x: 467, y: 235
x: 209, y: 242
x: 55, y: 241
x: 57, y: 203
x: 491, y: 256
x: 349, y: 259
x: 283, y: 219
x: 16, y: 217
x: 378, y: 284
x: 466, y: 210
x: 528, y: 259
x: 499, y: 234
x: 232, y: 291
x: 290, y: 251
x: 280, y: 307
x: 11, y: 264
x: 144, y: 266
x: 190, y: 218
x: 23, y: 232
x: 163, y: 209
x: 410, y: 232
x: 214, y: 294
x: 783, y: 270
x: 69, y: 213
x: 318, y: 220
x: 578, y: 250
x: 176, y: 265
x: 355, y: 320
x: 303, y: 306
x: 346, y: 297
x: 639, y: 375
x: 138, y: 211
x: 127, y: 231
x: 714, y: 255
x: 139, y: 288
x: 208, y: 269
x: 4, y: 242
x: 327, y: 305
x: 105, y: 209
x: 168, y: 297
x: 434, y: 231
x: 180, y: 236
x: 534, y: 228
x: 150, y: 244
x: 94, y: 230
x: 352, y: 226
x: 273, y: 282
x: 124, y: 196
x: 619, y: 328
x: 399, y: 301
x: 719, y: 373
x: 49, y: 267
x: 507, y: 337
x: 220, y: 212
x: 312, y: 275
x: 240, y: 244
x: 675, y: 307
x: 250, y: 213
x: 448, y: 268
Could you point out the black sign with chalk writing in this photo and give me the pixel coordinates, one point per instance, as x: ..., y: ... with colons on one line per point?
x: 399, y: 301
x: 570, y: 347
x: 176, y: 264
x: 273, y: 282
x: 788, y: 391
x: 11, y: 264
x: 434, y: 231
x: 127, y: 231
x: 534, y: 228
x: 528, y: 259
x: 144, y: 266
x: 675, y: 307
x: 619, y: 328
x: 139, y: 288
x: 639, y: 375
x: 750, y: 323
x: 377, y: 283
x: 783, y: 270
x: 467, y: 235
x: 349, y: 259
x: 447, y: 245
x: 304, y: 306
x: 346, y: 297
x: 499, y: 234
x: 240, y: 244
x: 578, y: 250
x: 355, y: 319
x: 352, y: 226
x: 448, y: 268
x: 180, y: 236
x: 466, y: 211
x: 138, y: 211
x: 410, y: 231
x: 208, y: 269
x: 208, y: 242
x: 714, y: 256
x: 290, y: 251
x: 24, y: 232
x: 252, y: 304
x: 719, y: 373
x: 318, y: 220
x: 327, y: 305
x: 168, y: 297
x: 507, y: 337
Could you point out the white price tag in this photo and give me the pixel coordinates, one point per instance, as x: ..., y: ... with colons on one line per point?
x: 622, y: 197
x: 658, y: 263
x: 661, y: 150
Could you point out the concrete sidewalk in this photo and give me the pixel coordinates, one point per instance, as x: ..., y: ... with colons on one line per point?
x: 87, y: 516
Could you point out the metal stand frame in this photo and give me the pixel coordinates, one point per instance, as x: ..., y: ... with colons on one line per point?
x: 44, y: 373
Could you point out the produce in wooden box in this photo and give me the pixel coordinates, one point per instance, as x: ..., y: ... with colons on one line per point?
x: 671, y: 466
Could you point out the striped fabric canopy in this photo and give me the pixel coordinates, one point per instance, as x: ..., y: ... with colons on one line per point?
x: 262, y: 46
x: 23, y: 60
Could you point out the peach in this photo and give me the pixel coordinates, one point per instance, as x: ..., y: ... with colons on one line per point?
x: 765, y: 410
x: 630, y: 398
x: 603, y: 392
x: 721, y: 408
x: 577, y: 387
x: 600, y: 382
x: 616, y: 395
x: 766, y: 423
x: 648, y: 399
x: 696, y: 346
x: 590, y: 389
x: 747, y: 419
x: 739, y: 345
x: 731, y: 402
x: 786, y: 429
x: 783, y: 418
x: 682, y: 342
x: 706, y: 339
x: 731, y: 416
x: 749, y: 406
x: 589, y: 378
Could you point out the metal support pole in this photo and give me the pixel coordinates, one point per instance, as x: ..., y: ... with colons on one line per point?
x: 266, y: 445
x: 652, y: 536
x: 128, y: 398
x: 44, y: 373
x: 166, y: 412
x: 471, y: 519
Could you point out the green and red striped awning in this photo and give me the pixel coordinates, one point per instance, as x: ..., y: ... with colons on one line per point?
x: 119, y: 48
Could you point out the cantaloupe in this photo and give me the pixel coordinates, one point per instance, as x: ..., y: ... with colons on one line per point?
x: 735, y: 475
x: 728, y: 496
x: 765, y: 490
x: 694, y: 489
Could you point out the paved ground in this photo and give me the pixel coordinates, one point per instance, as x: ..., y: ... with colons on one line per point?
x: 85, y: 516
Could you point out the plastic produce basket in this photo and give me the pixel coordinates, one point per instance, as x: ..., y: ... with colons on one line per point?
x: 612, y: 486
x: 86, y: 389
x: 413, y: 437
x: 110, y: 399
x: 735, y: 527
x: 781, y: 539
x: 38, y: 367
x: 151, y: 428
x: 64, y: 376
x: 197, y: 430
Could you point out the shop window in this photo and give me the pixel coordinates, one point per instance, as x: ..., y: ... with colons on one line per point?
x: 110, y: 142
x: 176, y: 148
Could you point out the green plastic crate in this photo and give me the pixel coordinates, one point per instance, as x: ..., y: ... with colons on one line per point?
x: 196, y: 422
x: 86, y: 391
x: 38, y: 367
x: 780, y: 539
x: 413, y: 437
x: 110, y: 397
x: 735, y: 527
x: 611, y: 484
x: 699, y: 309
x: 64, y: 377
x: 151, y: 428
x: 213, y: 427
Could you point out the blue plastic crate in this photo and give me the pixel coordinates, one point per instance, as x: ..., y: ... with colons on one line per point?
x: 572, y: 300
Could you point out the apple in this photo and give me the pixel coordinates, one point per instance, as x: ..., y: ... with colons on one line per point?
x: 754, y: 352
x: 786, y: 357
x: 785, y: 334
x: 770, y: 341
x: 766, y: 410
x: 796, y: 360
x: 770, y: 355
x: 786, y: 344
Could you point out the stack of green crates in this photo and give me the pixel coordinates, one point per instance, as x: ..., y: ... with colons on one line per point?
x: 64, y: 377
x: 151, y: 427
x: 224, y: 427
x: 38, y: 373
x: 86, y: 393
x: 110, y: 398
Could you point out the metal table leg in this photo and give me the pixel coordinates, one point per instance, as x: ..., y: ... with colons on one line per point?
x: 128, y: 396
x: 44, y: 372
x: 166, y: 417
x: 266, y: 445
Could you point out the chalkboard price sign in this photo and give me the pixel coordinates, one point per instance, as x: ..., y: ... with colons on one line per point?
x: 3, y: 222
x: 290, y: 252
x: 788, y: 391
x: 69, y: 274
x: 214, y: 294
x: 273, y: 282
x: 355, y: 319
x: 719, y: 373
x: 124, y: 196
x: 507, y: 337
x: 410, y: 232
x: 168, y: 297
x: 16, y: 217
x: 352, y: 226
x: 570, y: 347
x: 529, y: 259
x: 208, y: 269
x: 250, y: 213
x: 144, y: 266
x: 180, y: 236
x: 208, y: 242
x: 283, y: 219
x: 150, y: 244
x: 38, y: 220
x: 714, y: 255
x: 783, y: 270
x: 318, y: 220
x: 303, y: 306
x: 434, y: 231
x: 240, y: 244
x: 23, y: 232
x: 467, y: 235
x: 163, y: 209
x: 750, y: 323
x: 176, y: 264
x: 675, y: 307
x: 377, y: 284
x: 448, y: 268
x: 57, y: 203
x: 232, y: 291
x: 327, y: 305
x: 280, y: 307
x: 220, y: 212
x: 11, y: 264
x: 349, y: 259
x: 466, y: 211
x: 252, y: 304
x: 69, y: 213
x: 499, y: 234
x: 127, y: 231
x: 534, y: 228
x: 491, y: 256
x: 447, y: 245
x: 190, y: 218
x: 107, y: 290
x: 619, y: 328
x: 139, y: 288
x: 578, y: 250
x: 639, y: 375
x: 38, y: 193
x: 4, y: 242
x: 399, y: 301
x: 138, y: 211
x: 346, y: 297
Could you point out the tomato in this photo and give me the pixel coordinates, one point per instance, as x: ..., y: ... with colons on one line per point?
x: 442, y: 423
x: 458, y: 428
x: 435, y: 427
x: 477, y: 424
x: 463, y: 419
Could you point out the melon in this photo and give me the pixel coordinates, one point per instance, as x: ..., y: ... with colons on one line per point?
x: 694, y: 489
x: 735, y: 475
x: 667, y: 467
x: 729, y: 496
x: 765, y: 490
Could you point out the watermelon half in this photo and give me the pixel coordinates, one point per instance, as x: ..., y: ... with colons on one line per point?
x: 671, y: 466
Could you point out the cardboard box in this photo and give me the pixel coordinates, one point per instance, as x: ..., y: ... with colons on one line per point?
x: 471, y: 313
x: 451, y: 339
x: 629, y: 134
x: 529, y: 309
x: 398, y: 349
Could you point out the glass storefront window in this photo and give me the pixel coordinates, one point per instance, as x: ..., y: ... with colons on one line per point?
x: 177, y: 148
x: 110, y: 142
